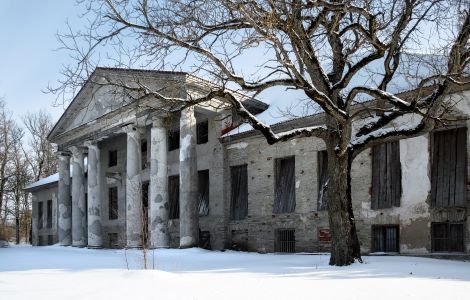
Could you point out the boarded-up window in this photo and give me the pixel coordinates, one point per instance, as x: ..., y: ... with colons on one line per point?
x: 203, y: 182
x: 173, y: 140
x: 285, y: 240
x: 449, y: 168
x: 239, y: 192
x: 386, y: 175
x: 49, y: 214
x: 40, y: 215
x: 322, y: 179
x: 145, y: 211
x: 174, y: 196
x: 112, y: 158
x: 385, y: 238
x: 447, y: 237
x: 284, y: 193
x: 202, y: 130
x: 113, y: 202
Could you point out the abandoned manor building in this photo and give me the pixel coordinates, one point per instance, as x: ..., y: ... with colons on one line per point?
x: 130, y: 166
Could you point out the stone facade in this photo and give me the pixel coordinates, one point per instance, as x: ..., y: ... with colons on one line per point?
x: 119, y: 163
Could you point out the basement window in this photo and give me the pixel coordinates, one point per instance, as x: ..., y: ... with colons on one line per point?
x: 203, y: 182
x: 385, y: 238
x: 40, y: 215
x: 285, y: 240
x: 113, y: 240
x: 173, y: 140
x: 112, y: 158
x: 49, y: 214
x: 113, y: 202
x: 202, y: 132
x: 447, y: 237
x: 50, y: 239
x: 449, y: 168
x: 386, y: 175
x: 322, y: 179
x: 239, y: 240
x: 174, y: 196
x: 284, y: 193
x: 205, y: 240
x: 239, y: 192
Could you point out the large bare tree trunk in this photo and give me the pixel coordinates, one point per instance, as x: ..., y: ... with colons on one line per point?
x: 345, y: 247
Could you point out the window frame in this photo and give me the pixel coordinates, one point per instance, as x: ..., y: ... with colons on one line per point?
x: 239, y: 193
x: 113, y: 210
x: 202, y: 132
x: 278, y: 206
x: 112, y: 158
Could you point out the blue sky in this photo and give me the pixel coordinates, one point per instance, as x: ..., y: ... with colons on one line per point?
x: 28, y: 60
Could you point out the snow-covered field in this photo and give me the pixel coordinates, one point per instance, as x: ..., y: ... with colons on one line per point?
x: 56, y: 272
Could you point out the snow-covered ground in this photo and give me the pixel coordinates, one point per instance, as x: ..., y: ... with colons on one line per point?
x: 56, y: 272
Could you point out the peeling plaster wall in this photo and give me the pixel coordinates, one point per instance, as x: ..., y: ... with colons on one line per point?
x: 40, y: 236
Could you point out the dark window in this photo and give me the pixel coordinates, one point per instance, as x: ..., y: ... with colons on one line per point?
x: 144, y: 151
x: 322, y: 179
x: 284, y: 194
x: 145, y: 211
x: 239, y: 240
x: 239, y: 192
x: 285, y: 240
x: 112, y: 158
x: 113, y: 202
x: 113, y: 240
x: 385, y: 238
x: 40, y: 215
x: 386, y: 175
x: 449, y: 168
x: 203, y: 182
x: 42, y: 240
x: 173, y: 140
x: 50, y: 240
x: 447, y: 237
x: 174, y: 196
x: 202, y: 132
x: 49, y: 214
x: 205, y: 240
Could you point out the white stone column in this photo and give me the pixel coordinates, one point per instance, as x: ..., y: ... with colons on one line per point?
x: 94, y: 199
x: 79, y: 226
x: 64, y: 207
x: 189, y: 216
x: 159, y: 206
x: 134, y: 214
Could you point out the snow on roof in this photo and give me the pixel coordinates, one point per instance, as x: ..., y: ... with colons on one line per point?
x: 44, y: 181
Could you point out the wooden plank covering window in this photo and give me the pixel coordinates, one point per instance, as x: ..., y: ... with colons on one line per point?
x: 322, y: 179
x: 447, y: 237
x: 49, y: 214
x: 239, y: 192
x: 113, y: 203
x: 386, y: 175
x: 385, y: 238
x: 449, y: 168
x: 203, y: 183
x: 174, y: 196
x: 40, y: 215
x: 284, y: 193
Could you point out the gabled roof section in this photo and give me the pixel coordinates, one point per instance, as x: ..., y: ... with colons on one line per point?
x: 94, y: 100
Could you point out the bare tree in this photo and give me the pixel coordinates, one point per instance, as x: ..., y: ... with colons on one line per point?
x: 41, y: 157
x: 313, y: 46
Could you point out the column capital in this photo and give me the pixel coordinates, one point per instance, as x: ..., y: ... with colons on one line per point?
x: 157, y: 122
x: 132, y: 128
x: 63, y: 153
x: 90, y: 144
x: 77, y: 150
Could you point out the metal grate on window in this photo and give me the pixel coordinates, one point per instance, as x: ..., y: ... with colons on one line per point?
x: 447, y: 237
x: 285, y: 240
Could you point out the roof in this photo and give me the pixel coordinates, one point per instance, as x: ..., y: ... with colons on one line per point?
x: 47, y: 181
x: 254, y: 105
